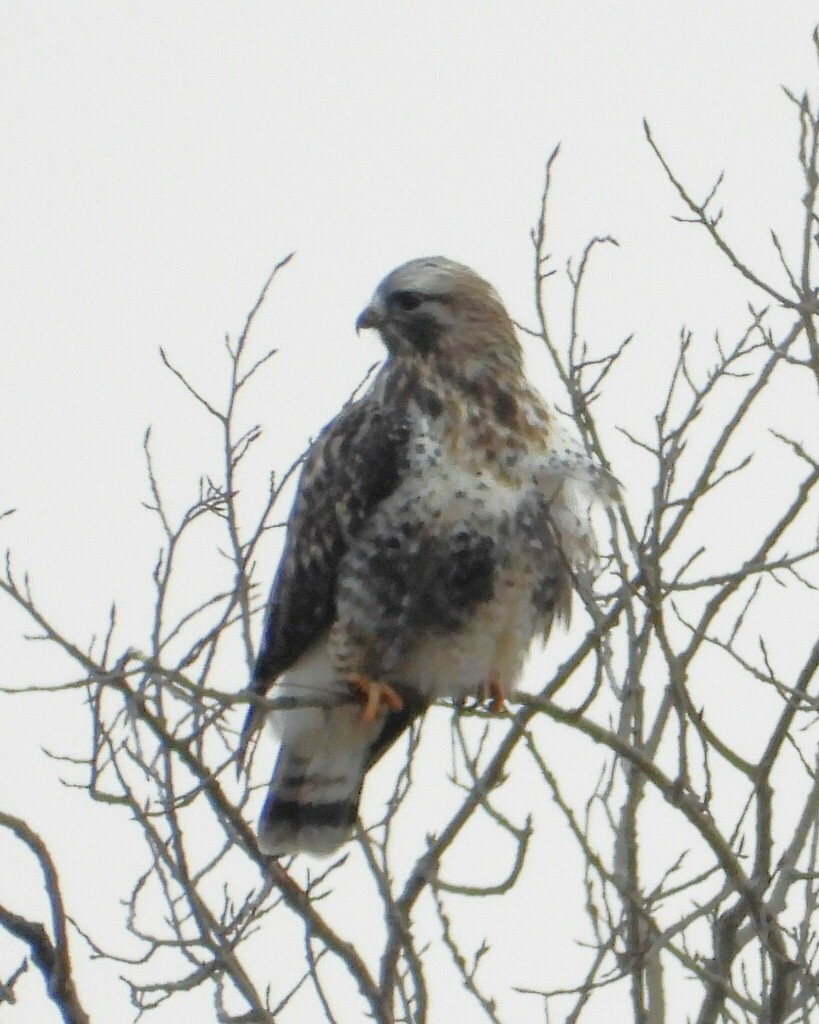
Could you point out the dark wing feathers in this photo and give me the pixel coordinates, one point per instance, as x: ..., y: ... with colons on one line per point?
x: 354, y: 465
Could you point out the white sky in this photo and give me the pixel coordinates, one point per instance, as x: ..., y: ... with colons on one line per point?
x: 157, y: 159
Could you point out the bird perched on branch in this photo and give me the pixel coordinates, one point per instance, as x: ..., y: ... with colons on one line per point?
x: 440, y: 524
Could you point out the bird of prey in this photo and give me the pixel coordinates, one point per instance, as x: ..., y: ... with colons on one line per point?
x: 440, y: 524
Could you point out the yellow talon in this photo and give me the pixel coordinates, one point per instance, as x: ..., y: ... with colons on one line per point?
x: 376, y: 695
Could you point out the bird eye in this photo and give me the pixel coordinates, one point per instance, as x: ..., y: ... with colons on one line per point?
x: 407, y: 300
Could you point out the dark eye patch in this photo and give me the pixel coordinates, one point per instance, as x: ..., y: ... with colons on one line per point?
x: 407, y: 300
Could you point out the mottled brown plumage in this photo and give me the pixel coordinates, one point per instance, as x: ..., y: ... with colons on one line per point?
x: 439, y: 525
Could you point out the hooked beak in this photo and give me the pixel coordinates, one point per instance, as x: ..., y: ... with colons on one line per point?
x: 370, y: 317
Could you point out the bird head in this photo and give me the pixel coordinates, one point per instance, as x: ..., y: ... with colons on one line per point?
x: 438, y: 310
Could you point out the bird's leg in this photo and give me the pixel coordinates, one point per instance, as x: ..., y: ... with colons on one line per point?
x: 495, y: 692
x: 375, y: 695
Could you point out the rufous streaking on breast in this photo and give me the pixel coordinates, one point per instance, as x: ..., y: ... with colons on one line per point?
x: 439, y: 526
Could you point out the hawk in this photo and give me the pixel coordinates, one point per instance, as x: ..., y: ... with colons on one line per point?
x: 440, y: 524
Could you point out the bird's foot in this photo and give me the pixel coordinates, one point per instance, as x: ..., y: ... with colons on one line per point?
x: 376, y: 695
x: 495, y: 692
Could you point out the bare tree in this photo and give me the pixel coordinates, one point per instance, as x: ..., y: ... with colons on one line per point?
x: 689, y: 685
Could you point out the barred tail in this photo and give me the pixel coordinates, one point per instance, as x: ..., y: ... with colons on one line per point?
x: 312, y: 802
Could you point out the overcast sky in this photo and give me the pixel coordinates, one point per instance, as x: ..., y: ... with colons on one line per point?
x: 158, y: 159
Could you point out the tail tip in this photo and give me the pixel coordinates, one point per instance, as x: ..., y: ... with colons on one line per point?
x: 289, y: 826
